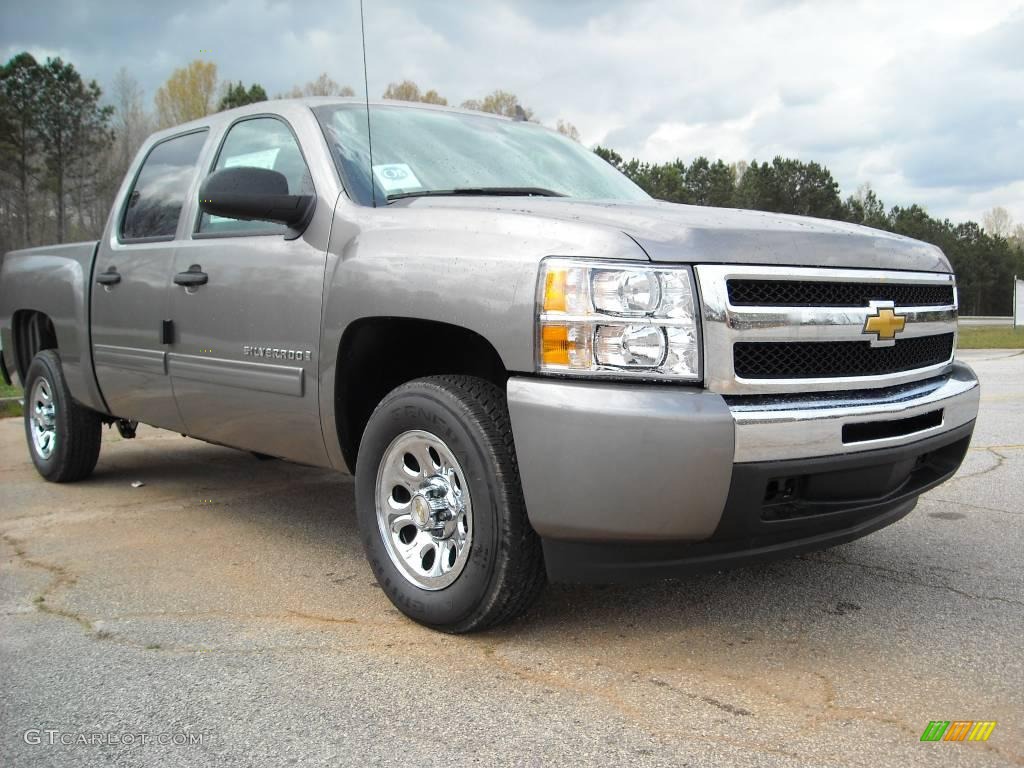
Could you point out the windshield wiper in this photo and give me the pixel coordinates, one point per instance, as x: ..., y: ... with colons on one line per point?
x: 479, y: 191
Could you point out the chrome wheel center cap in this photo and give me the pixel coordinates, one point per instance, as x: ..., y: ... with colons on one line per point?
x: 420, y: 512
x: 435, y: 507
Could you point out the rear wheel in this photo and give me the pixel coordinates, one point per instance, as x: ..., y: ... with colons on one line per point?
x: 63, y: 436
x: 440, y: 507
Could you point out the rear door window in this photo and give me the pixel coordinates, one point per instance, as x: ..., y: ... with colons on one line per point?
x: 158, y: 195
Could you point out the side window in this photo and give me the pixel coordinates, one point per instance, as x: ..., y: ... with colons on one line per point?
x: 158, y: 196
x: 263, y: 142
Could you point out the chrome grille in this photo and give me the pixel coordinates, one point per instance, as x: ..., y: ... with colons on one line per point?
x: 817, y: 359
x: 796, y: 293
x: 807, y: 330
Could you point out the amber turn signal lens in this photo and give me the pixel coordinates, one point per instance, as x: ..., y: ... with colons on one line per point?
x: 554, y: 291
x: 555, y: 344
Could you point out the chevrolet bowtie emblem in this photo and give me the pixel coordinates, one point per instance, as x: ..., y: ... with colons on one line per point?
x: 884, y: 323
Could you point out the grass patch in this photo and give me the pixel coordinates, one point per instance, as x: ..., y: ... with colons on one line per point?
x: 991, y: 337
x: 10, y: 407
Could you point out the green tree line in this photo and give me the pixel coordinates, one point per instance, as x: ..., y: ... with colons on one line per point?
x: 53, y: 132
x: 985, y: 258
x: 64, y: 151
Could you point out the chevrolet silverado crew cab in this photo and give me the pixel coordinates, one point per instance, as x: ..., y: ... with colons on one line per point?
x: 533, y: 370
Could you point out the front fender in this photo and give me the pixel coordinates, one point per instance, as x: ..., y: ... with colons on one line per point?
x: 476, y: 270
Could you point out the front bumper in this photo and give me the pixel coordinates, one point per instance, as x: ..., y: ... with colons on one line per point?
x: 632, y: 481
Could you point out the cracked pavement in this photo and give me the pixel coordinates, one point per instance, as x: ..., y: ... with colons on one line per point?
x: 228, y: 597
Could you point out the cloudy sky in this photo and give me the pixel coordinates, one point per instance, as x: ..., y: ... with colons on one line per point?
x: 923, y: 99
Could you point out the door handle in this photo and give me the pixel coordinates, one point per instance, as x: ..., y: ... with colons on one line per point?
x: 192, y: 278
x: 110, y: 277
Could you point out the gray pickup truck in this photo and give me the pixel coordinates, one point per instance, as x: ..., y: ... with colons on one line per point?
x: 533, y: 370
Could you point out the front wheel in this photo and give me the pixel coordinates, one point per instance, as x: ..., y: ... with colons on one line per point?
x: 63, y: 436
x: 440, y: 507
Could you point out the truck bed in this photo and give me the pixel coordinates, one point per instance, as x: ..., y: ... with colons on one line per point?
x: 53, y: 280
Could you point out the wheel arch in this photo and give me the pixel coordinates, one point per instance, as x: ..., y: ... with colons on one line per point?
x: 377, y: 354
x: 32, y: 331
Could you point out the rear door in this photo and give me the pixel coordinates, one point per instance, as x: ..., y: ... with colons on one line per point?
x: 246, y: 348
x: 130, y: 285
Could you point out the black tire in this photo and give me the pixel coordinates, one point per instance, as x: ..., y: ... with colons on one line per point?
x: 78, y: 429
x: 504, y: 572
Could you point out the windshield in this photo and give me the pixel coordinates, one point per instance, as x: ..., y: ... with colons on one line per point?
x: 424, y: 151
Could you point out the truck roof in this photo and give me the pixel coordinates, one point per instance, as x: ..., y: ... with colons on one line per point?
x: 290, y: 106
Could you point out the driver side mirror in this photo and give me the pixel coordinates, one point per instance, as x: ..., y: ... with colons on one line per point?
x: 254, y: 194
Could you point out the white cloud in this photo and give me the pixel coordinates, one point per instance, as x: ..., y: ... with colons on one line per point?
x: 725, y: 138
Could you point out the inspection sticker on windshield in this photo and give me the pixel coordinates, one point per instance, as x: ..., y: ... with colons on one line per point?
x: 263, y: 159
x: 395, y: 177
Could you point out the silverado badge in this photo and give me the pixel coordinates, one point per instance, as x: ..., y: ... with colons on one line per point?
x: 884, y: 323
x: 251, y: 350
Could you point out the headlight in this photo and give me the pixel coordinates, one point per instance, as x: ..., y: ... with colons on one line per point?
x: 610, y: 319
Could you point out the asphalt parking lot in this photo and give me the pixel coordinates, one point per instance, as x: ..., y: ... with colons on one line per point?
x: 227, y: 601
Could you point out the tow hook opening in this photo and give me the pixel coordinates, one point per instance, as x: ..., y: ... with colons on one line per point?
x: 780, y: 489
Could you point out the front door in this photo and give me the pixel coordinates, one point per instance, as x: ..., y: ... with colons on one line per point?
x: 129, y: 290
x: 246, y: 344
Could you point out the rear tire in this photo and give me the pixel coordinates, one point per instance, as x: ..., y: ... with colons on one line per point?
x: 475, y: 563
x: 63, y: 436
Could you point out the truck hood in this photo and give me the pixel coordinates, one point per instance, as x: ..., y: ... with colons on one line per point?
x: 669, y: 232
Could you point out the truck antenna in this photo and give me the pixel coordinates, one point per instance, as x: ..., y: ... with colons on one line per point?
x: 366, y: 85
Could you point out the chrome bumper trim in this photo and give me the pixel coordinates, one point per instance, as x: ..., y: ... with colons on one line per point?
x: 803, y: 426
